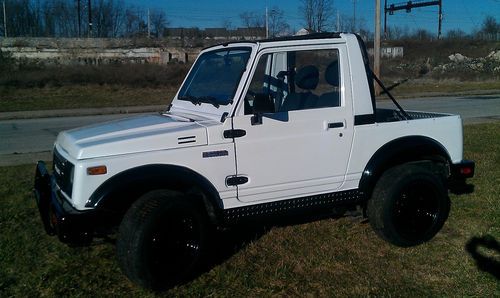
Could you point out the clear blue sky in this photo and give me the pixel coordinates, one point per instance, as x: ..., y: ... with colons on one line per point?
x: 464, y: 14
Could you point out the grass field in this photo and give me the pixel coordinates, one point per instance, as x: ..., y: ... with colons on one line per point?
x: 328, y: 257
x: 85, y: 96
x: 423, y: 88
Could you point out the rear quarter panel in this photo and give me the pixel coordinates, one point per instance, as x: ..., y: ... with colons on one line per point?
x: 446, y: 130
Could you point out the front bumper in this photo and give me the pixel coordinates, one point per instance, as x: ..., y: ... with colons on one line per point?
x: 58, y: 216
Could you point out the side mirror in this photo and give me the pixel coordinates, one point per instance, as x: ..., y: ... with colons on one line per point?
x: 261, y: 104
x: 256, y: 119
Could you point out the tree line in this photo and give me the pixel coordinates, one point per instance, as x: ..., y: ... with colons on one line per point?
x: 115, y: 18
x: 62, y: 18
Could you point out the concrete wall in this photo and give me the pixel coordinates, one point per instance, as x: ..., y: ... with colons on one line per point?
x: 389, y: 52
x: 75, y: 51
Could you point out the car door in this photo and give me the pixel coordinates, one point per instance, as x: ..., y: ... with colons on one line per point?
x: 298, y: 132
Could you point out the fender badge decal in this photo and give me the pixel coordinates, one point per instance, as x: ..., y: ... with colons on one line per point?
x: 209, y: 154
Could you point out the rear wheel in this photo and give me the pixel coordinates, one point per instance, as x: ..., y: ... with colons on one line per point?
x: 162, y: 239
x: 409, y: 205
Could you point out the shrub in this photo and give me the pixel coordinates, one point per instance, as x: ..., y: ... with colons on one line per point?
x: 6, y: 61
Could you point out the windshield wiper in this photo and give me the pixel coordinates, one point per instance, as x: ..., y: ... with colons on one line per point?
x: 202, y: 99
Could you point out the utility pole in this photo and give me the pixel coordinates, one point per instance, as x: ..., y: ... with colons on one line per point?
x: 376, y: 46
x: 149, y: 24
x: 4, y: 21
x: 90, y: 18
x: 79, y: 21
x: 440, y: 18
x: 354, y: 15
x: 385, y: 19
x: 338, y: 21
x: 267, y: 23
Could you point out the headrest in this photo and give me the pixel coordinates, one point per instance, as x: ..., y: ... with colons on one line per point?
x: 332, y: 73
x: 307, y: 77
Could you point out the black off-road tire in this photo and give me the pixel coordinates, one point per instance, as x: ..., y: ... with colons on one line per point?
x: 409, y: 205
x: 162, y: 239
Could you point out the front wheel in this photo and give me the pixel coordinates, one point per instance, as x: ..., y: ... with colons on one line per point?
x: 162, y: 239
x: 409, y: 205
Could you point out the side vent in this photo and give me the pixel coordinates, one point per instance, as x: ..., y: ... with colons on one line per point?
x: 186, y: 140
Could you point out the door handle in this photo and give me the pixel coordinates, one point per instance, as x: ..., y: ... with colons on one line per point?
x: 336, y: 125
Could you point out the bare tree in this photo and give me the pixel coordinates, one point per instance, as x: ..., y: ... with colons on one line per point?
x: 307, y: 10
x: 158, y: 21
x: 132, y: 21
x: 316, y: 14
x: 252, y: 19
x: 456, y: 34
x: 422, y: 34
x: 394, y: 33
x: 277, y: 24
x: 490, y: 25
x: 59, y: 18
x: 108, y: 17
x: 253, y: 22
x: 228, y: 25
x: 23, y: 18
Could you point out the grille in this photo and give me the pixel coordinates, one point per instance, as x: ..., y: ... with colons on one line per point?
x: 63, y: 172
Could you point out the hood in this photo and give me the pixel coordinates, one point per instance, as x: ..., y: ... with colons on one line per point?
x: 131, y: 135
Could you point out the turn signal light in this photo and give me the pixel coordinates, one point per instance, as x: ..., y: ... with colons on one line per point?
x: 99, y: 170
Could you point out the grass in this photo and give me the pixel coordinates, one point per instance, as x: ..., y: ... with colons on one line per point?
x: 82, y: 96
x: 421, y: 88
x: 329, y: 257
x: 31, y: 88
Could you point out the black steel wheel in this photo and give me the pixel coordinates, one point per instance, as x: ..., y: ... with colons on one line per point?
x: 409, y: 205
x: 162, y: 239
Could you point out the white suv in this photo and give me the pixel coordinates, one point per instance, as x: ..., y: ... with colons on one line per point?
x: 257, y: 130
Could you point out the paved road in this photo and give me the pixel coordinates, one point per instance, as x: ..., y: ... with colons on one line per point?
x: 473, y: 109
x: 28, y: 140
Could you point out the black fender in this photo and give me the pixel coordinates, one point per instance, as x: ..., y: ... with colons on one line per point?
x: 399, y: 151
x: 119, y: 192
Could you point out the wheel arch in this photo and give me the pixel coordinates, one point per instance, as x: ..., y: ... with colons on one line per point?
x: 399, y: 151
x: 119, y: 192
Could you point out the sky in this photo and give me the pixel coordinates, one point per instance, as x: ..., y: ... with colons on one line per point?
x: 457, y: 14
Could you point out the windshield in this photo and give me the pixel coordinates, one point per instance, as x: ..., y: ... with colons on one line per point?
x: 215, y: 77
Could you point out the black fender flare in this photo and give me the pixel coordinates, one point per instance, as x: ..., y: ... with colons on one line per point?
x: 119, y: 192
x: 399, y: 151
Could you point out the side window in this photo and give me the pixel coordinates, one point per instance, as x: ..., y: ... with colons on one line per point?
x: 317, y: 79
x: 294, y: 80
x: 268, y: 86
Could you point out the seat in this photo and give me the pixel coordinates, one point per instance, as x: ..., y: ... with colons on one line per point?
x: 306, y: 78
x: 331, y: 99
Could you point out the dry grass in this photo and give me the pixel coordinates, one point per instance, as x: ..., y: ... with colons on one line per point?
x: 423, y: 88
x: 87, y: 96
x: 66, y: 87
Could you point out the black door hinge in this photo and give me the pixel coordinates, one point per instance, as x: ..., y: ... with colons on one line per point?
x: 236, y: 180
x: 234, y: 133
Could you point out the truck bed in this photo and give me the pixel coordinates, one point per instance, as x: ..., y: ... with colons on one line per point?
x: 392, y: 115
